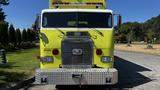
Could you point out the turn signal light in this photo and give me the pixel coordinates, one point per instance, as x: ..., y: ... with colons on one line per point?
x: 55, y: 51
x: 99, y: 52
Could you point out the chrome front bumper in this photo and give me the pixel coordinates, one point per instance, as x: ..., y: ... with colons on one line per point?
x: 91, y: 76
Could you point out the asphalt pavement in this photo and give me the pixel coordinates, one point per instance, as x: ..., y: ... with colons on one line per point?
x: 137, y: 71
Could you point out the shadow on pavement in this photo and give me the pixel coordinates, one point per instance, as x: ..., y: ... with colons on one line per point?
x: 128, y: 73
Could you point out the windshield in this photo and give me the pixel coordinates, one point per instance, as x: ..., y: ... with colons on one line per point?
x: 77, y: 20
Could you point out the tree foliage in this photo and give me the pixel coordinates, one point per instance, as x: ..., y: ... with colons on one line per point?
x: 12, y: 34
x: 146, y: 31
x: 4, y: 2
x: 4, y: 33
x: 24, y: 35
x: 18, y: 36
x: 2, y: 15
x: 11, y: 38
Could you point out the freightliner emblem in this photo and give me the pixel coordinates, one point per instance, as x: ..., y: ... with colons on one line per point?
x: 77, y: 51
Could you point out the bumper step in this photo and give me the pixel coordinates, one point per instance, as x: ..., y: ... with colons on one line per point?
x: 77, y: 76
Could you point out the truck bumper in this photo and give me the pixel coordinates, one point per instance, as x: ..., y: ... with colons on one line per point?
x: 90, y: 76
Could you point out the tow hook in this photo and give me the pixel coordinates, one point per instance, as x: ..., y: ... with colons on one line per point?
x: 79, y: 77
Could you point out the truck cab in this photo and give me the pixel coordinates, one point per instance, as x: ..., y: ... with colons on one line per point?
x: 76, y: 44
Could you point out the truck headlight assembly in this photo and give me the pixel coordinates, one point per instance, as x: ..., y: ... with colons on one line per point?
x: 47, y: 59
x: 106, y: 59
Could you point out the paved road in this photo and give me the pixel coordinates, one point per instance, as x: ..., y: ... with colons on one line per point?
x: 137, y: 71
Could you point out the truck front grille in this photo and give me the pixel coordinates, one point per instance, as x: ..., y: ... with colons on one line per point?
x: 77, y: 52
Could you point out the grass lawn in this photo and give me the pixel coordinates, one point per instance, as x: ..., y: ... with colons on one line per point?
x: 21, y: 65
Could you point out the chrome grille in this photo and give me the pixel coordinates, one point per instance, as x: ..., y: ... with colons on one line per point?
x: 77, y: 52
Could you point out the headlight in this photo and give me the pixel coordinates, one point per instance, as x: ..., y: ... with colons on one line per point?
x: 106, y: 59
x: 47, y: 59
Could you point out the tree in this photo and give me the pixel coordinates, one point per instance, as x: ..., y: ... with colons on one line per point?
x: 12, y: 35
x: 29, y: 36
x: 18, y: 36
x: 24, y: 35
x: 34, y: 35
x: 4, y: 33
x: 3, y: 26
x: 2, y: 15
x: 126, y: 29
x: 4, y: 2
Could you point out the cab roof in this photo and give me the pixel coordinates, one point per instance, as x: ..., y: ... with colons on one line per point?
x: 77, y: 10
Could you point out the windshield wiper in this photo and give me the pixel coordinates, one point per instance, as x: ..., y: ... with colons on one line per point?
x: 99, y: 32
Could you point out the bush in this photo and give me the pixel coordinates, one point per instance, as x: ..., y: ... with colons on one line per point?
x: 26, y: 45
x: 10, y: 47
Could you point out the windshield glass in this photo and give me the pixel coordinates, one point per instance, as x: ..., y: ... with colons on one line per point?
x: 77, y: 20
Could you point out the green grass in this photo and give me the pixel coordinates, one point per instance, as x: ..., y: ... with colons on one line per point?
x: 21, y: 65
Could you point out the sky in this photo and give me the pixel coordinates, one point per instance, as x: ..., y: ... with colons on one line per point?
x: 22, y: 13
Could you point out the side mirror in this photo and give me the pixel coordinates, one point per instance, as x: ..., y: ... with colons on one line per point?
x: 119, y: 21
x: 37, y: 23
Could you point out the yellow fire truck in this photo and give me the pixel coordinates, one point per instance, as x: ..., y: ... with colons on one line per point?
x: 76, y: 44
